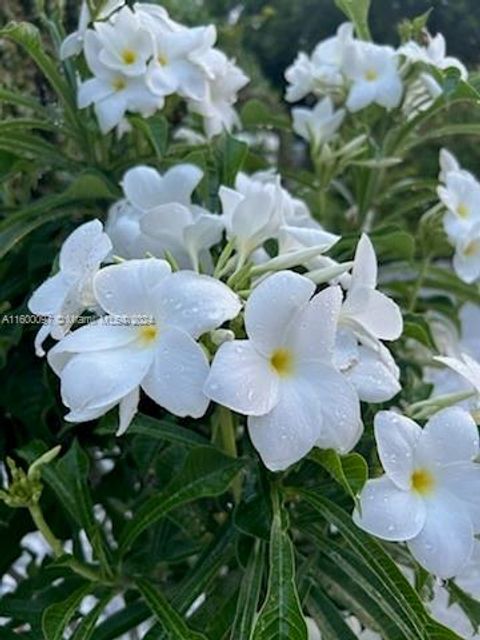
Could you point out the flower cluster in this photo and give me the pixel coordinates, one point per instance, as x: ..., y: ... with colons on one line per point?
x: 307, y: 358
x: 139, y: 56
x: 356, y: 73
x: 459, y: 192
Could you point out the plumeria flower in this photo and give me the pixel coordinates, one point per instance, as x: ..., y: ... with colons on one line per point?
x: 177, y: 65
x: 461, y: 196
x: 147, y: 339
x: 73, y: 43
x: 373, y: 72
x: 433, y: 54
x: 282, y: 376
x: 158, y: 216
x: 67, y: 294
x: 318, y: 125
x: 124, y: 45
x: 111, y: 92
x: 368, y: 316
x: 225, y: 80
x: 466, y: 260
x: 430, y: 493
x: 322, y: 73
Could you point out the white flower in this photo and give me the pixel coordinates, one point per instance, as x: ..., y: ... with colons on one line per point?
x: 64, y: 296
x: 177, y: 66
x: 251, y: 215
x: 448, y: 164
x: 373, y: 71
x: 318, y: 125
x: 158, y: 216
x: 73, y: 43
x: 466, y: 260
x: 368, y: 316
x: 224, y: 82
x: 282, y: 376
x: 105, y: 363
x: 125, y: 45
x: 322, y: 73
x: 433, y: 54
x: 429, y: 495
x: 112, y: 92
x: 461, y: 196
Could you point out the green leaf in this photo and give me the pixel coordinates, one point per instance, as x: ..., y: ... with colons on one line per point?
x: 350, y: 471
x: 155, y: 130
x: 249, y: 594
x: 232, y: 154
x: 470, y: 605
x: 467, y: 129
x: 416, y: 326
x: 357, y: 12
x: 122, y: 622
x: 86, y: 627
x: 169, y: 619
x: 330, y: 622
x: 281, y: 615
x: 58, y: 615
x: 20, y: 100
x: 162, y: 430
x: 253, y: 516
x: 207, y: 472
x: 257, y: 114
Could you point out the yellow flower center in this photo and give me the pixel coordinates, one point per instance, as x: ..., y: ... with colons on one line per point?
x: 119, y: 84
x: 472, y: 248
x: 148, y: 334
x: 129, y: 56
x: 463, y: 210
x: 282, y: 361
x: 371, y: 75
x: 423, y: 481
x: 162, y: 59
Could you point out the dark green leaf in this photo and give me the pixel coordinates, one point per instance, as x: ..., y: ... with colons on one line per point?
x: 330, y: 622
x: 57, y: 616
x: 155, y: 130
x: 249, y: 594
x: 207, y: 472
x: 350, y: 471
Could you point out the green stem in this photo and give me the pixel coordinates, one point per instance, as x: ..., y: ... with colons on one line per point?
x: 57, y: 548
x: 418, y: 285
x: 227, y: 438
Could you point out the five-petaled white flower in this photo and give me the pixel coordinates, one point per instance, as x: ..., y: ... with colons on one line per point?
x: 158, y: 216
x: 320, y: 124
x: 282, y: 376
x: 430, y: 493
x: 434, y: 53
x: 373, y: 72
x: 147, y: 340
x: 66, y: 295
x: 368, y: 316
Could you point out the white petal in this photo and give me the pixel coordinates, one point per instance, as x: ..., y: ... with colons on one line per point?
x: 143, y: 187
x: 91, y: 91
x: 396, y: 438
x: 242, y: 379
x: 451, y: 435
x: 390, y: 92
x: 388, y: 512
x: 127, y: 410
x: 273, y: 305
x: 365, y: 270
x: 110, y: 111
x: 94, y: 379
x: 49, y: 297
x: 338, y: 404
x: 445, y: 543
x: 40, y: 338
x: 289, y: 431
x: 195, y: 303
x: 375, y: 312
x: 126, y: 288
x: 177, y: 376
x: 314, y: 330
x: 375, y: 375
x: 361, y: 95
x: 85, y: 248
x: 462, y: 479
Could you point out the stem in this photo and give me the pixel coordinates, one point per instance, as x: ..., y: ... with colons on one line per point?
x: 227, y: 433
x: 57, y: 548
x: 418, y: 285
